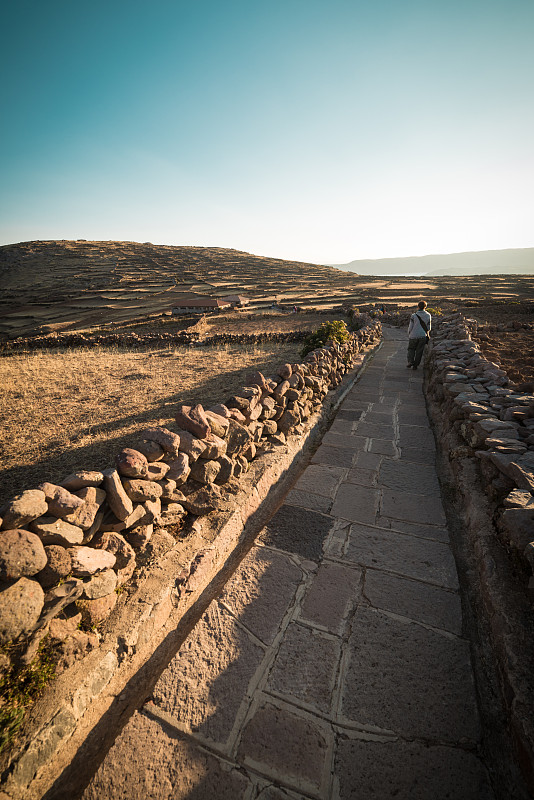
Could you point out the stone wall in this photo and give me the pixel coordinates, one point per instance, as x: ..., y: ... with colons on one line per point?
x: 486, y: 429
x: 182, y: 338
x: 103, y: 562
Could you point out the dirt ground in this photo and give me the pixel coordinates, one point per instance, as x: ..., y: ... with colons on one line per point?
x: 64, y: 410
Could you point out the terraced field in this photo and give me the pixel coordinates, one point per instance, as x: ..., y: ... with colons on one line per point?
x: 51, y: 286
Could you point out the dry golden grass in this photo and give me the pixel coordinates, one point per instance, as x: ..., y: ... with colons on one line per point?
x: 71, y: 409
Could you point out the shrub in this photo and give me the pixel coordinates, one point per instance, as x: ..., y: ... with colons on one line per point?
x: 336, y: 330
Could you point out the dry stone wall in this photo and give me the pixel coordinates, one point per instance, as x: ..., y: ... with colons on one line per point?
x: 486, y: 428
x: 68, y: 551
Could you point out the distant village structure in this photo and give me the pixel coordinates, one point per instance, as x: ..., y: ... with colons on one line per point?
x: 203, y: 304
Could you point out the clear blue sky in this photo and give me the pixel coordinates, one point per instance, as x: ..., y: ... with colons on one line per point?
x: 316, y: 130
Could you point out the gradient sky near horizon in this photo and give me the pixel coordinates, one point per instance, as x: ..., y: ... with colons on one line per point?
x: 315, y: 130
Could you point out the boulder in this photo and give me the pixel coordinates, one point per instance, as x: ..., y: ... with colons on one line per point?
x: 215, y: 447
x: 58, y: 566
x: 100, y: 585
x: 156, y: 472
x: 139, y: 490
x: 85, y: 515
x: 218, y: 423
x: 131, y: 463
x: 202, y: 501
x: 221, y: 410
x: 193, y: 420
x: 179, y: 469
x: 117, y: 545
x: 191, y: 446
x: 118, y: 500
x: 151, y: 450
x: 285, y: 371
x: 56, y: 531
x: 21, y: 604
x: 24, y: 508
x: 288, y: 420
x: 238, y: 438
x: 88, y: 560
x: 163, y: 436
x: 139, y: 536
x: 523, y: 478
x: 60, y: 501
x: 281, y: 389
x: 205, y: 471
x: 21, y: 554
x: 81, y: 479
x: 226, y: 471
x: 168, y: 487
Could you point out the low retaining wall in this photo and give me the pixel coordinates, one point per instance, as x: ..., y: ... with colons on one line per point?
x: 131, y: 549
x: 487, y: 430
x: 186, y: 339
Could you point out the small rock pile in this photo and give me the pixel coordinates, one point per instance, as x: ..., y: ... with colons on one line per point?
x: 495, y: 422
x: 69, y: 547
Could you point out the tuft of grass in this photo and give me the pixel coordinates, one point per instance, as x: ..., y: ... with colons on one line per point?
x: 20, y: 687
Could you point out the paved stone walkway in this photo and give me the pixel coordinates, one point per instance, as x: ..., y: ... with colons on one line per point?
x: 333, y: 664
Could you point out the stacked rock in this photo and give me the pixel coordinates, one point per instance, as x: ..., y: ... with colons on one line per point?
x: 69, y: 547
x: 495, y: 422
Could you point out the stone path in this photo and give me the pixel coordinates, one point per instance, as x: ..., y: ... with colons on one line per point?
x: 333, y: 664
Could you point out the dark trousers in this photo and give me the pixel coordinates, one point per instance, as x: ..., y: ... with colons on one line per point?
x: 415, y: 350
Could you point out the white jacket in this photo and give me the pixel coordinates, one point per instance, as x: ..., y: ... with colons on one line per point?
x: 415, y: 329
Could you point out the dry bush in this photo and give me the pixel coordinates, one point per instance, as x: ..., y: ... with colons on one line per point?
x: 64, y: 410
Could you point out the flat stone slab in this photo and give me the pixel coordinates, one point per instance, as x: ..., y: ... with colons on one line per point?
x: 409, y: 771
x: 350, y: 441
x: 315, y: 502
x: 333, y: 456
x: 287, y: 745
x: 379, y: 417
x: 423, y: 531
x: 350, y: 414
x: 419, y: 455
x: 413, y: 599
x: 343, y: 427
x: 368, y: 460
x: 417, y: 436
x: 408, y: 679
x: 320, y: 479
x: 206, y: 681
x: 152, y: 761
x: 362, y: 477
x: 405, y: 555
x: 383, y: 447
x: 333, y: 592
x: 356, y: 503
x: 374, y: 430
x: 261, y: 590
x: 404, y: 476
x: 306, y: 666
x: 297, y: 530
x: 412, y: 507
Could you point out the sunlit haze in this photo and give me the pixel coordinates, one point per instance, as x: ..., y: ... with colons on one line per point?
x: 300, y: 129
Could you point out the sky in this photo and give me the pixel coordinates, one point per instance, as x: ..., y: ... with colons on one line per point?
x: 313, y: 130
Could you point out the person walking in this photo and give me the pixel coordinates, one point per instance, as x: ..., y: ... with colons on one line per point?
x: 418, y: 335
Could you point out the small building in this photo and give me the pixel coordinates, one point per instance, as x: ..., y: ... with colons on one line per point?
x: 201, y: 305
x: 237, y: 300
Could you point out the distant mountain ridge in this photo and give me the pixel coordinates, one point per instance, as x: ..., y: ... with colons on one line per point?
x: 519, y: 261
